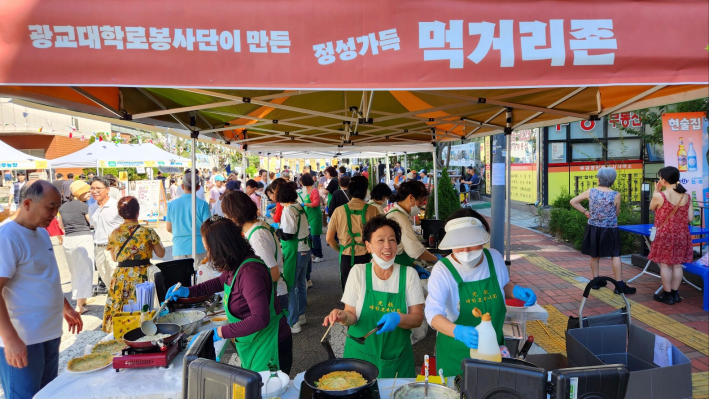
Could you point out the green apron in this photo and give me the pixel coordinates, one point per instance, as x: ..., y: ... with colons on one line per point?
x: 275, y: 241
x: 258, y: 349
x: 485, y: 295
x: 290, y: 251
x: 403, y: 258
x: 353, y: 244
x: 390, y: 352
x: 314, y: 216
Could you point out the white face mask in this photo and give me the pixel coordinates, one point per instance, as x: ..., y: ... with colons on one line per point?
x: 470, y: 258
x: 414, y: 210
x: 381, y: 262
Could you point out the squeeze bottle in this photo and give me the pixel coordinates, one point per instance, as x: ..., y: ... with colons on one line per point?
x: 488, y: 349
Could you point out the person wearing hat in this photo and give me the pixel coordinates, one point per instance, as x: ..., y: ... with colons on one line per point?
x: 229, y: 186
x: 73, y: 219
x: 216, y: 191
x: 423, y: 177
x: 471, y: 277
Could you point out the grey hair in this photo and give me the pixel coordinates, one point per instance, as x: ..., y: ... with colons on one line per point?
x: 187, y: 181
x: 36, y: 190
x: 103, y: 180
x: 606, y: 176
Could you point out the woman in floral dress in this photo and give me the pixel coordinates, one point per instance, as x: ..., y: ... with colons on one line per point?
x: 132, y: 246
x: 673, y: 244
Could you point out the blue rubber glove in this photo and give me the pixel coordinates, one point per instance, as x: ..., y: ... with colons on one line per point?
x: 423, y: 273
x: 467, y: 335
x: 525, y: 294
x: 163, y: 312
x: 389, y: 322
x: 173, y: 294
x: 274, y: 225
x: 439, y: 256
x: 303, y: 205
x: 270, y: 206
x: 215, y: 336
x: 268, y: 214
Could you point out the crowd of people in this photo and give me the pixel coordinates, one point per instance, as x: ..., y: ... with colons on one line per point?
x: 265, y: 269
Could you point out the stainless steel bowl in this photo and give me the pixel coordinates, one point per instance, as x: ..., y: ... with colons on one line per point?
x: 188, y: 320
x: 416, y: 390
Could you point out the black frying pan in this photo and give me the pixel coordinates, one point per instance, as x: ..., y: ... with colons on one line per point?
x: 369, y: 371
x: 163, y: 328
x: 194, y: 299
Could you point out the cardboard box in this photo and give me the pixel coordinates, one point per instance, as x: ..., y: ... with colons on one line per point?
x: 595, y: 346
x: 549, y: 361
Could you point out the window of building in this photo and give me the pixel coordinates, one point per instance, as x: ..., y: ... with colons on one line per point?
x: 35, y: 152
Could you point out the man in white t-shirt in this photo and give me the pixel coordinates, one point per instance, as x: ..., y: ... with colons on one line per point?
x: 32, y: 303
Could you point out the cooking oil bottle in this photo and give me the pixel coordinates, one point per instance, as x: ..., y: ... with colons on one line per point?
x: 488, y: 349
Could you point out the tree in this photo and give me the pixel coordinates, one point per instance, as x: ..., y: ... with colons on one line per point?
x: 653, y: 118
x: 448, y: 200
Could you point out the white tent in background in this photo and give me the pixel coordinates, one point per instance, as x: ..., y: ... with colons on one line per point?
x: 11, y: 158
x: 103, y: 154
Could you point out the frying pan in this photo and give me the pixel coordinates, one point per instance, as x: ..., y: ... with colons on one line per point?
x: 369, y: 371
x: 133, y: 335
x: 194, y: 299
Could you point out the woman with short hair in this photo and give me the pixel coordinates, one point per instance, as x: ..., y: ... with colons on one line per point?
x: 256, y: 322
x: 132, y: 246
x: 382, y: 294
x: 602, y: 237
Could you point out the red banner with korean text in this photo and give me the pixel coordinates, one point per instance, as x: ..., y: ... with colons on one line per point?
x: 388, y: 44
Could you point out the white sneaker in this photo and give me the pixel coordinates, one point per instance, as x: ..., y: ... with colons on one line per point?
x: 301, y: 320
x: 310, y: 284
x: 317, y: 260
x: 295, y: 328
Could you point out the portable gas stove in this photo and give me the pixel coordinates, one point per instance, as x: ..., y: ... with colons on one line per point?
x: 367, y: 393
x: 133, y: 358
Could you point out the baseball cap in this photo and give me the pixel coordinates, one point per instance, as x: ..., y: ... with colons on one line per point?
x: 422, y: 171
x: 219, y: 178
x: 464, y: 232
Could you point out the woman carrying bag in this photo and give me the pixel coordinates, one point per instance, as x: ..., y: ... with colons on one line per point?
x: 132, y: 246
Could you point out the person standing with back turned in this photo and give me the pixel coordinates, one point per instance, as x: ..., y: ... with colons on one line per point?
x: 673, y: 244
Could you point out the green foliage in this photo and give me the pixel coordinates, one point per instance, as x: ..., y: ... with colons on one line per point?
x: 448, y: 200
x: 132, y: 175
x: 570, y: 225
x: 420, y: 161
x: 653, y: 117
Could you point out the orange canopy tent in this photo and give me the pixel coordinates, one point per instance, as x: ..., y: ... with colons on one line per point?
x: 323, y: 73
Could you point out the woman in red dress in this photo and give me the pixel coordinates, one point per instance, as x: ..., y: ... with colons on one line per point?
x: 673, y: 244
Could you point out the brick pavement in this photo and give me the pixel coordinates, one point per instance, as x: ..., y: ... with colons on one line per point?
x: 553, y: 286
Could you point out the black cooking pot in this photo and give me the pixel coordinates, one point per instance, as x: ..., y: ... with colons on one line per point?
x: 369, y: 371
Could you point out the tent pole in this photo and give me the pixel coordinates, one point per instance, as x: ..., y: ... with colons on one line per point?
x: 435, y: 182
x: 508, y: 181
x: 386, y: 170
x: 268, y: 165
x: 406, y: 162
x: 193, y: 155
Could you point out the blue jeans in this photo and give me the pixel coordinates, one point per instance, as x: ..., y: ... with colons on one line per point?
x: 317, y: 246
x: 42, y: 368
x: 298, y: 293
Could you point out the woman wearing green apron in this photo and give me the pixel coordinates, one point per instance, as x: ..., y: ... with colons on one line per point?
x: 408, y: 198
x: 380, y: 196
x: 471, y: 277
x: 384, y: 295
x: 294, y: 235
x: 310, y: 200
x: 256, y: 323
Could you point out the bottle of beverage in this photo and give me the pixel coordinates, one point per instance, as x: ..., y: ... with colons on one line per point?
x: 488, y: 349
x: 681, y: 156
x: 691, y: 157
x: 697, y: 221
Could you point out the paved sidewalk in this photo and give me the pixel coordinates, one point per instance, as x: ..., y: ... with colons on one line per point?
x: 558, y: 274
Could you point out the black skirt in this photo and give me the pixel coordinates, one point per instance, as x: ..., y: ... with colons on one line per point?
x: 601, y: 242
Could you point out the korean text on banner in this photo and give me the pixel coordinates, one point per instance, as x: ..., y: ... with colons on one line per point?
x: 684, y: 137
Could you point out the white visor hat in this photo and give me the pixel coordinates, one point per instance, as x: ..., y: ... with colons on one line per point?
x: 464, y: 232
